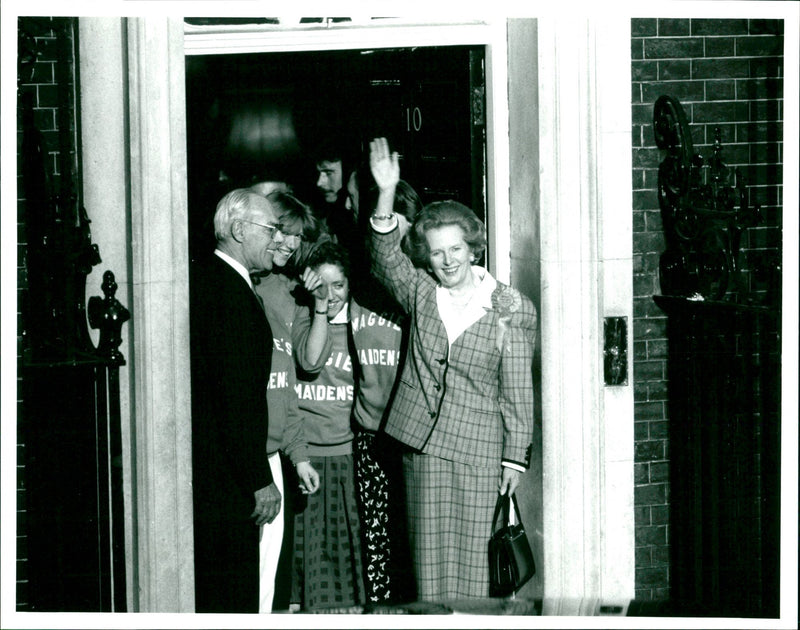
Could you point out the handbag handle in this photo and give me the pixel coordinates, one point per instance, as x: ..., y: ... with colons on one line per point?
x: 503, y: 502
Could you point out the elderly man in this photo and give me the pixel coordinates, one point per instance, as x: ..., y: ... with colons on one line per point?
x: 231, y: 348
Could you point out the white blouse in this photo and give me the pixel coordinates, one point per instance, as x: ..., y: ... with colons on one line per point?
x: 456, y: 320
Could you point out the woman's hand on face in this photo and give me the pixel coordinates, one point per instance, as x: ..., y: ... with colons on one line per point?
x: 385, y: 165
x: 509, y: 481
x: 312, y: 282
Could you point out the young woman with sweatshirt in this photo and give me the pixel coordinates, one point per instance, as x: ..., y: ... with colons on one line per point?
x: 347, y: 362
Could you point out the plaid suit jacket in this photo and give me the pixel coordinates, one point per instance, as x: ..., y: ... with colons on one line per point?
x: 471, y: 403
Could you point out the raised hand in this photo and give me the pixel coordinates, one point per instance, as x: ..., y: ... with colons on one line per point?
x: 312, y: 282
x: 385, y: 165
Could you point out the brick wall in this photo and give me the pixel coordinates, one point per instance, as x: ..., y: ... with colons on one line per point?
x: 40, y: 40
x: 726, y: 73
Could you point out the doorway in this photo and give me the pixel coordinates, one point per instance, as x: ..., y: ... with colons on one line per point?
x: 261, y: 115
x: 602, y: 553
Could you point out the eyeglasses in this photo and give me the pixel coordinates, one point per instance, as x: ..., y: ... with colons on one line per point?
x: 293, y: 239
x: 271, y: 229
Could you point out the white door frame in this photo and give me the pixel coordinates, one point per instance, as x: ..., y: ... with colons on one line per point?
x: 492, y: 35
x: 586, y: 269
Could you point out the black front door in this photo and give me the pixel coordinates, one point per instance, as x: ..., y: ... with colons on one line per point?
x: 256, y: 115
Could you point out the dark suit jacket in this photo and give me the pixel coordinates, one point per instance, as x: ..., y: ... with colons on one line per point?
x: 231, y: 348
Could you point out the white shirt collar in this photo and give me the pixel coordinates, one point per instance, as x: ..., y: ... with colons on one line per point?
x: 483, y: 294
x: 239, y: 267
x: 456, y: 322
x: 342, y: 317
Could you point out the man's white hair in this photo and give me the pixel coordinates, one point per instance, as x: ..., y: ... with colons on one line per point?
x: 232, y: 207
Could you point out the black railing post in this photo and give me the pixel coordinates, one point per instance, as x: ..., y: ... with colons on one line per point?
x: 108, y: 315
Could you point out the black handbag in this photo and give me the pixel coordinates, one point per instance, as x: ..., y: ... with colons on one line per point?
x: 511, y: 562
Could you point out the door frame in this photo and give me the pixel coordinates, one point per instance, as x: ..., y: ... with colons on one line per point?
x: 582, y: 211
x: 490, y: 34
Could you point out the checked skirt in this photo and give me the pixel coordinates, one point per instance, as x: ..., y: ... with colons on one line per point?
x: 327, y: 564
x: 450, y: 508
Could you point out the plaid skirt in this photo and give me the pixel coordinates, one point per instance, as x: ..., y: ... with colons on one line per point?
x: 327, y: 561
x: 450, y: 509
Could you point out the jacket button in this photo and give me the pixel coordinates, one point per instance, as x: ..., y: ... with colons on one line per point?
x: 437, y: 387
x: 441, y: 361
x: 432, y: 414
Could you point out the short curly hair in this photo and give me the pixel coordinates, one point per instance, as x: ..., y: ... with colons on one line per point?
x: 440, y: 214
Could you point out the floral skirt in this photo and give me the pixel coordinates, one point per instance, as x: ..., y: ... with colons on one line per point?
x: 373, y: 495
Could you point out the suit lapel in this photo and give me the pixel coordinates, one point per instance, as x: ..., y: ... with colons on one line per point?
x: 433, y: 336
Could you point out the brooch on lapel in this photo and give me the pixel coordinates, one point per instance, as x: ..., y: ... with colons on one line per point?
x: 506, y: 301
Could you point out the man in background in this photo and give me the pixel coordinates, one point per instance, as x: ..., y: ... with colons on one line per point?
x: 337, y: 191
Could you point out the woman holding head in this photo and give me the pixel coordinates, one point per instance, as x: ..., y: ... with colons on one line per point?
x: 464, y: 403
x: 347, y: 356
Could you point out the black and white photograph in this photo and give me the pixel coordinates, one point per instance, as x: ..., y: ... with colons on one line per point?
x: 399, y: 314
